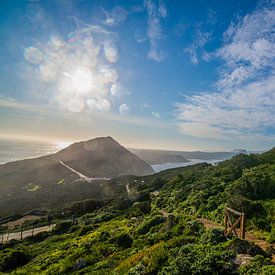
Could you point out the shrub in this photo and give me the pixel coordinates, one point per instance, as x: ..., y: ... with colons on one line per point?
x: 157, y: 183
x: 122, y: 240
x: 82, y: 207
x: 11, y: 259
x: 139, y: 208
x: 213, y: 236
x: 103, y: 218
x: 258, y: 265
x: 85, y: 229
x: 147, y: 224
x: 41, y: 236
x: 74, y: 228
x: 62, y: 227
x: 245, y: 247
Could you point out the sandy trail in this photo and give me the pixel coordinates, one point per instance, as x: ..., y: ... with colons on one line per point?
x: 127, y: 186
x: 249, y: 236
x: 80, y: 175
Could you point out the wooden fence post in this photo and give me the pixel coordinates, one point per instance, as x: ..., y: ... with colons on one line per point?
x: 232, y: 225
x: 8, y: 234
x: 225, y: 221
x: 21, y: 232
x: 32, y: 230
x: 242, y: 226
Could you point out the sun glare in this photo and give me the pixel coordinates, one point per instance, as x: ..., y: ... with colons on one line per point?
x: 62, y: 144
x: 82, y: 80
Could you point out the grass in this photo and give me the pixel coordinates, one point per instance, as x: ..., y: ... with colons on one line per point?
x: 62, y: 181
x: 32, y: 187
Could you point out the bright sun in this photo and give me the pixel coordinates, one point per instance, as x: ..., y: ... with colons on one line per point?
x: 62, y: 144
x: 82, y: 79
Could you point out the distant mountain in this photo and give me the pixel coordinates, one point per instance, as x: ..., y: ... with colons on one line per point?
x: 163, y: 156
x: 208, y: 155
x: 66, y: 175
x: 239, y: 151
x: 102, y: 157
x: 159, y: 156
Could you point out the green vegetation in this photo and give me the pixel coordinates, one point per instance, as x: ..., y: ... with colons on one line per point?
x: 32, y: 187
x: 149, y: 232
x: 62, y: 181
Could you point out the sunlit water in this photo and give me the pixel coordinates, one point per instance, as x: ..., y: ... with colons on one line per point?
x: 165, y: 166
x: 11, y: 150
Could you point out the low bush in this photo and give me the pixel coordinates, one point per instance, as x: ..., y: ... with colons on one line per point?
x: 245, y: 247
x: 122, y: 240
x: 213, y: 236
x: 148, y: 223
x: 62, y: 227
x: 10, y: 259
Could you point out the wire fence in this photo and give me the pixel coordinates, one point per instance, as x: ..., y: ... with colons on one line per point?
x: 22, y: 234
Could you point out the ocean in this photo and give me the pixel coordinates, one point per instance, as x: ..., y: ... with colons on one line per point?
x: 11, y: 150
x: 170, y: 165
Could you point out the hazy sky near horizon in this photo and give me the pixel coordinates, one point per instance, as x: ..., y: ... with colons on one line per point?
x: 152, y: 74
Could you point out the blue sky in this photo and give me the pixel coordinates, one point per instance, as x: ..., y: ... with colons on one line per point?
x: 153, y: 74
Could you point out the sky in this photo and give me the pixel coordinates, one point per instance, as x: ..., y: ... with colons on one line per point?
x: 183, y: 75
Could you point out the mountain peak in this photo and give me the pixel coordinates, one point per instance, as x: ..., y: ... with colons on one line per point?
x: 103, y: 156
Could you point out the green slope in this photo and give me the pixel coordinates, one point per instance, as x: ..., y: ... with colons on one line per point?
x: 153, y: 229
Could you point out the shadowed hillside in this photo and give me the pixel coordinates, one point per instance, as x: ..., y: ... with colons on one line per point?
x: 54, y: 179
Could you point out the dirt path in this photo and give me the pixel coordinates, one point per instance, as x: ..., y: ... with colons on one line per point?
x: 127, y: 186
x: 164, y: 213
x: 27, y: 233
x: 76, y: 172
x: 81, y: 176
x: 12, y: 224
x: 248, y: 236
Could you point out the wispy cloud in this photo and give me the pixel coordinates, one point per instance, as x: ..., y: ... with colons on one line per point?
x: 195, y: 50
x: 157, y: 12
x: 156, y: 114
x: 243, y: 103
x: 119, y: 14
x: 144, y: 106
x: 116, y: 16
x: 219, y: 115
x: 249, y: 48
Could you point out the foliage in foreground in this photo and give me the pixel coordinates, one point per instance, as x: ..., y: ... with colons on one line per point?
x: 140, y: 234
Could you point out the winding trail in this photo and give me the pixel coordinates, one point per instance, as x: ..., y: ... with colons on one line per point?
x: 249, y: 236
x: 81, y: 176
x: 127, y: 186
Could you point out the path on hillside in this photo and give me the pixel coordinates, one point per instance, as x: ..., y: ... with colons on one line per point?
x: 81, y: 176
x: 249, y: 236
x: 27, y: 233
x: 127, y: 186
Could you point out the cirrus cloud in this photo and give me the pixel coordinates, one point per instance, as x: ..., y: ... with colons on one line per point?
x: 157, y: 12
x: 242, y: 105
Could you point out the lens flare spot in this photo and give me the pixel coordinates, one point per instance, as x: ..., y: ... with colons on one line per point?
x: 82, y: 79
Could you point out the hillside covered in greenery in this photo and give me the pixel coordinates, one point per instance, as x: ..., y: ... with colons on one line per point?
x: 154, y: 228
